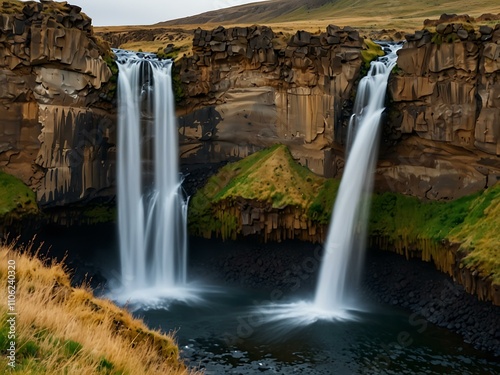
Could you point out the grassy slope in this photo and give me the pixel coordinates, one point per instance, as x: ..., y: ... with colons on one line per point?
x: 358, y: 13
x: 272, y: 177
x: 16, y: 199
x: 65, y: 330
x: 471, y: 221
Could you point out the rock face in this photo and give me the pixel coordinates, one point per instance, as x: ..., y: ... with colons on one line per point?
x: 52, y: 135
x: 246, y: 88
x: 445, y: 114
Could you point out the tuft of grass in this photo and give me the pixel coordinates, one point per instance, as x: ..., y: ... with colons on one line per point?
x: 66, y: 330
x: 72, y: 348
x: 371, y: 51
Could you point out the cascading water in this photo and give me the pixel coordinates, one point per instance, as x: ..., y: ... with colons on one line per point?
x: 346, y: 239
x: 152, y: 210
x: 344, y: 248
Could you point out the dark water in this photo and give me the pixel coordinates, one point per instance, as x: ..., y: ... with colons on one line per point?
x: 223, y: 334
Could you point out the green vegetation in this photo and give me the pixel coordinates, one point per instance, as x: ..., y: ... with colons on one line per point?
x: 471, y: 221
x: 74, y: 332
x: 16, y: 199
x: 370, y: 51
x: 172, y: 55
x: 270, y: 177
x: 112, y: 86
x: 321, y: 208
x: 98, y: 213
x: 177, y: 86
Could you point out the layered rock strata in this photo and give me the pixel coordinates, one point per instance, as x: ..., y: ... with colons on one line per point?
x: 445, y: 114
x: 246, y: 88
x: 52, y: 135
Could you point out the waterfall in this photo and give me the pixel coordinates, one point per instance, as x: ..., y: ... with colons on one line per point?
x: 152, y: 210
x: 346, y: 241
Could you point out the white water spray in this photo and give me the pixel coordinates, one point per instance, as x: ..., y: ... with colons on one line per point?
x: 346, y: 240
x: 151, y: 205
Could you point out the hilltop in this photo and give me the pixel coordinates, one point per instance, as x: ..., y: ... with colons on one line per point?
x: 375, y: 19
x: 357, y: 13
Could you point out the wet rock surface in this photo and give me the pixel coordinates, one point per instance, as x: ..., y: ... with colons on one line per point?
x: 418, y: 287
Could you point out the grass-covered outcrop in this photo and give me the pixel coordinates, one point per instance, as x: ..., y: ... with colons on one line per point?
x: 64, y: 330
x: 16, y: 199
x: 266, y: 192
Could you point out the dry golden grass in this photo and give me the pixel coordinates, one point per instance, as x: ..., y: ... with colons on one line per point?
x: 66, y: 330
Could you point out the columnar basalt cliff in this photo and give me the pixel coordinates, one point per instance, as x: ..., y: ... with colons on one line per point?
x: 246, y: 88
x: 445, y: 114
x: 53, y: 135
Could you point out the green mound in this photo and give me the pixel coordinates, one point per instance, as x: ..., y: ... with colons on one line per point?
x: 270, y: 178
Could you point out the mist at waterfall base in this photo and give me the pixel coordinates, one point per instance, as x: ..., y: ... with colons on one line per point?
x: 342, y: 262
x: 152, y: 209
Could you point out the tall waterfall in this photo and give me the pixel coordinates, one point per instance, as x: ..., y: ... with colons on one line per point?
x: 152, y: 210
x: 346, y: 241
x: 345, y: 245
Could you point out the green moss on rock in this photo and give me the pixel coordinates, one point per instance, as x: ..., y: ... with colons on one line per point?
x: 472, y: 222
x: 16, y: 199
x: 370, y: 52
